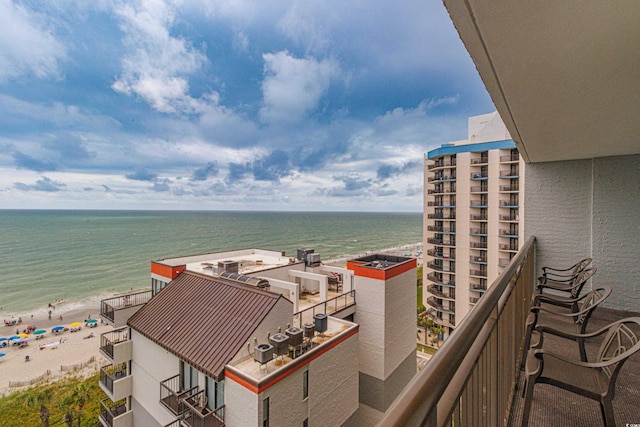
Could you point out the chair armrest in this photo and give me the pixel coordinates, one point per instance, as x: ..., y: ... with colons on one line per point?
x: 542, y: 353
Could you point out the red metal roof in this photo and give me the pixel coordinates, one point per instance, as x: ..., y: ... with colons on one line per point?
x: 204, y: 320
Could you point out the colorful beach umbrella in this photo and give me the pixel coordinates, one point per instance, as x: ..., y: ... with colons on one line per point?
x: 39, y: 331
x: 3, y: 339
x: 57, y: 328
x: 23, y: 335
x: 91, y: 320
x: 14, y: 337
x: 74, y: 324
x: 2, y: 355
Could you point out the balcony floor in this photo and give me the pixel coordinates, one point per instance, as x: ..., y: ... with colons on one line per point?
x: 552, y: 406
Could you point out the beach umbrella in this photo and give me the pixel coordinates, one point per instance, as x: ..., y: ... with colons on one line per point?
x: 2, y: 355
x: 14, y: 337
x: 39, y: 331
x: 57, y: 328
x: 92, y: 320
x: 23, y: 335
x: 74, y: 324
x: 3, y: 339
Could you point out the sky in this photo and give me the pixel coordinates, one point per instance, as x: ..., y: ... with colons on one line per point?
x: 277, y: 105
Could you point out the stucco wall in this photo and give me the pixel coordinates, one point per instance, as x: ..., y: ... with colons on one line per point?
x: 150, y: 365
x: 590, y: 208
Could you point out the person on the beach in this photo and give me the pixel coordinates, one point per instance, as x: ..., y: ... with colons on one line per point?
x: 61, y: 318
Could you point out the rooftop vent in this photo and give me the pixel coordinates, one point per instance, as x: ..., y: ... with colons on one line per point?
x: 320, y: 322
x: 263, y: 353
x: 243, y: 278
x: 303, y: 253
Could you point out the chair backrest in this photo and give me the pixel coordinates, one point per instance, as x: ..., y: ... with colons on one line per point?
x: 589, y: 302
x: 581, y: 279
x: 581, y: 265
x: 619, y: 343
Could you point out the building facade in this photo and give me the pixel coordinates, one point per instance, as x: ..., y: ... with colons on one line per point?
x: 254, y: 337
x: 473, y: 223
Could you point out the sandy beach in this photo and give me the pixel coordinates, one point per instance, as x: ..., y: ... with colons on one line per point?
x: 74, y: 355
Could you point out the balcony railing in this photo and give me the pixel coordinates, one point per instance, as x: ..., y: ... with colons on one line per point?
x: 480, y: 161
x: 128, y: 304
x: 478, y: 245
x: 115, y: 345
x: 510, y: 158
x: 172, y: 395
x: 478, y: 203
x: 199, y: 414
x: 439, y: 280
x: 478, y: 189
x: 441, y: 165
x: 433, y: 315
x: 330, y: 306
x: 478, y: 217
x: 115, y: 381
x: 479, y: 175
x: 441, y: 216
x: 509, y: 217
x: 479, y: 273
x: 111, y: 411
x: 441, y: 178
x: 509, y: 188
x: 477, y: 258
x: 471, y: 380
x: 509, y: 174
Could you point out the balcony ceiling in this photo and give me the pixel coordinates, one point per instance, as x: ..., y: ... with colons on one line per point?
x: 564, y: 75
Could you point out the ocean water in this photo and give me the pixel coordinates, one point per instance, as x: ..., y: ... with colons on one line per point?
x: 78, y: 256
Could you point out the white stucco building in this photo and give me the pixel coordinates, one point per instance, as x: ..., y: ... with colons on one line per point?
x: 254, y: 337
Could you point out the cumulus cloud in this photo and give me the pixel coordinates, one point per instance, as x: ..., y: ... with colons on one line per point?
x: 203, y: 173
x: 389, y: 170
x: 161, y: 186
x: 156, y: 67
x: 293, y: 87
x: 25, y: 161
x: 27, y: 45
x: 142, y: 174
x: 43, y: 184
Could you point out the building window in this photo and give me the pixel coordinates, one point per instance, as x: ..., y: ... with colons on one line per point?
x: 305, y: 384
x: 265, y: 412
x: 305, y: 423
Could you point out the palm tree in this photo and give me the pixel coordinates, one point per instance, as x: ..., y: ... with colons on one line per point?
x: 44, y: 415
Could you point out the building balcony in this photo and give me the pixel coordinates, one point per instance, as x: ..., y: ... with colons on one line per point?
x: 503, y: 262
x: 439, y: 293
x: 477, y: 273
x: 509, y: 188
x: 477, y: 287
x: 115, y: 414
x: 449, y: 216
x: 434, y: 228
x: 512, y: 234
x: 512, y: 158
x: 478, y: 259
x: 442, y: 178
x: 479, y: 204
x: 439, y: 165
x: 478, y: 245
x: 510, y: 218
x: 509, y: 174
x: 478, y: 217
x: 172, y: 395
x: 477, y: 232
x: 199, y: 414
x: 116, y: 311
x: 474, y: 300
x: 508, y: 247
x: 115, y: 346
x: 115, y: 381
x: 433, y: 302
x: 477, y: 189
x: 433, y: 315
x: 480, y: 161
x: 435, y: 278
x: 478, y: 176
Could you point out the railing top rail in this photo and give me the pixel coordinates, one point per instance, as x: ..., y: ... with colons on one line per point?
x: 346, y: 294
x: 421, y: 395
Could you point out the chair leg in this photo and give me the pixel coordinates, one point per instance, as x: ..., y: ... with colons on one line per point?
x: 583, y: 351
x: 528, y: 397
x: 525, y: 345
x: 606, y: 408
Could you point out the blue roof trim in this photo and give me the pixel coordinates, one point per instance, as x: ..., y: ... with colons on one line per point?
x: 470, y: 148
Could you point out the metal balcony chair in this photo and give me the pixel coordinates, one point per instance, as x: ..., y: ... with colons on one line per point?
x: 565, y: 273
x: 564, y: 291
x: 595, y: 380
x: 564, y: 320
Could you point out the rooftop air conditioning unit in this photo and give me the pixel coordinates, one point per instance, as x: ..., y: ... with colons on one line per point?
x: 280, y: 343
x: 313, y: 260
x: 309, y: 330
x: 320, y: 321
x: 230, y: 266
x: 295, y: 336
x: 263, y: 353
